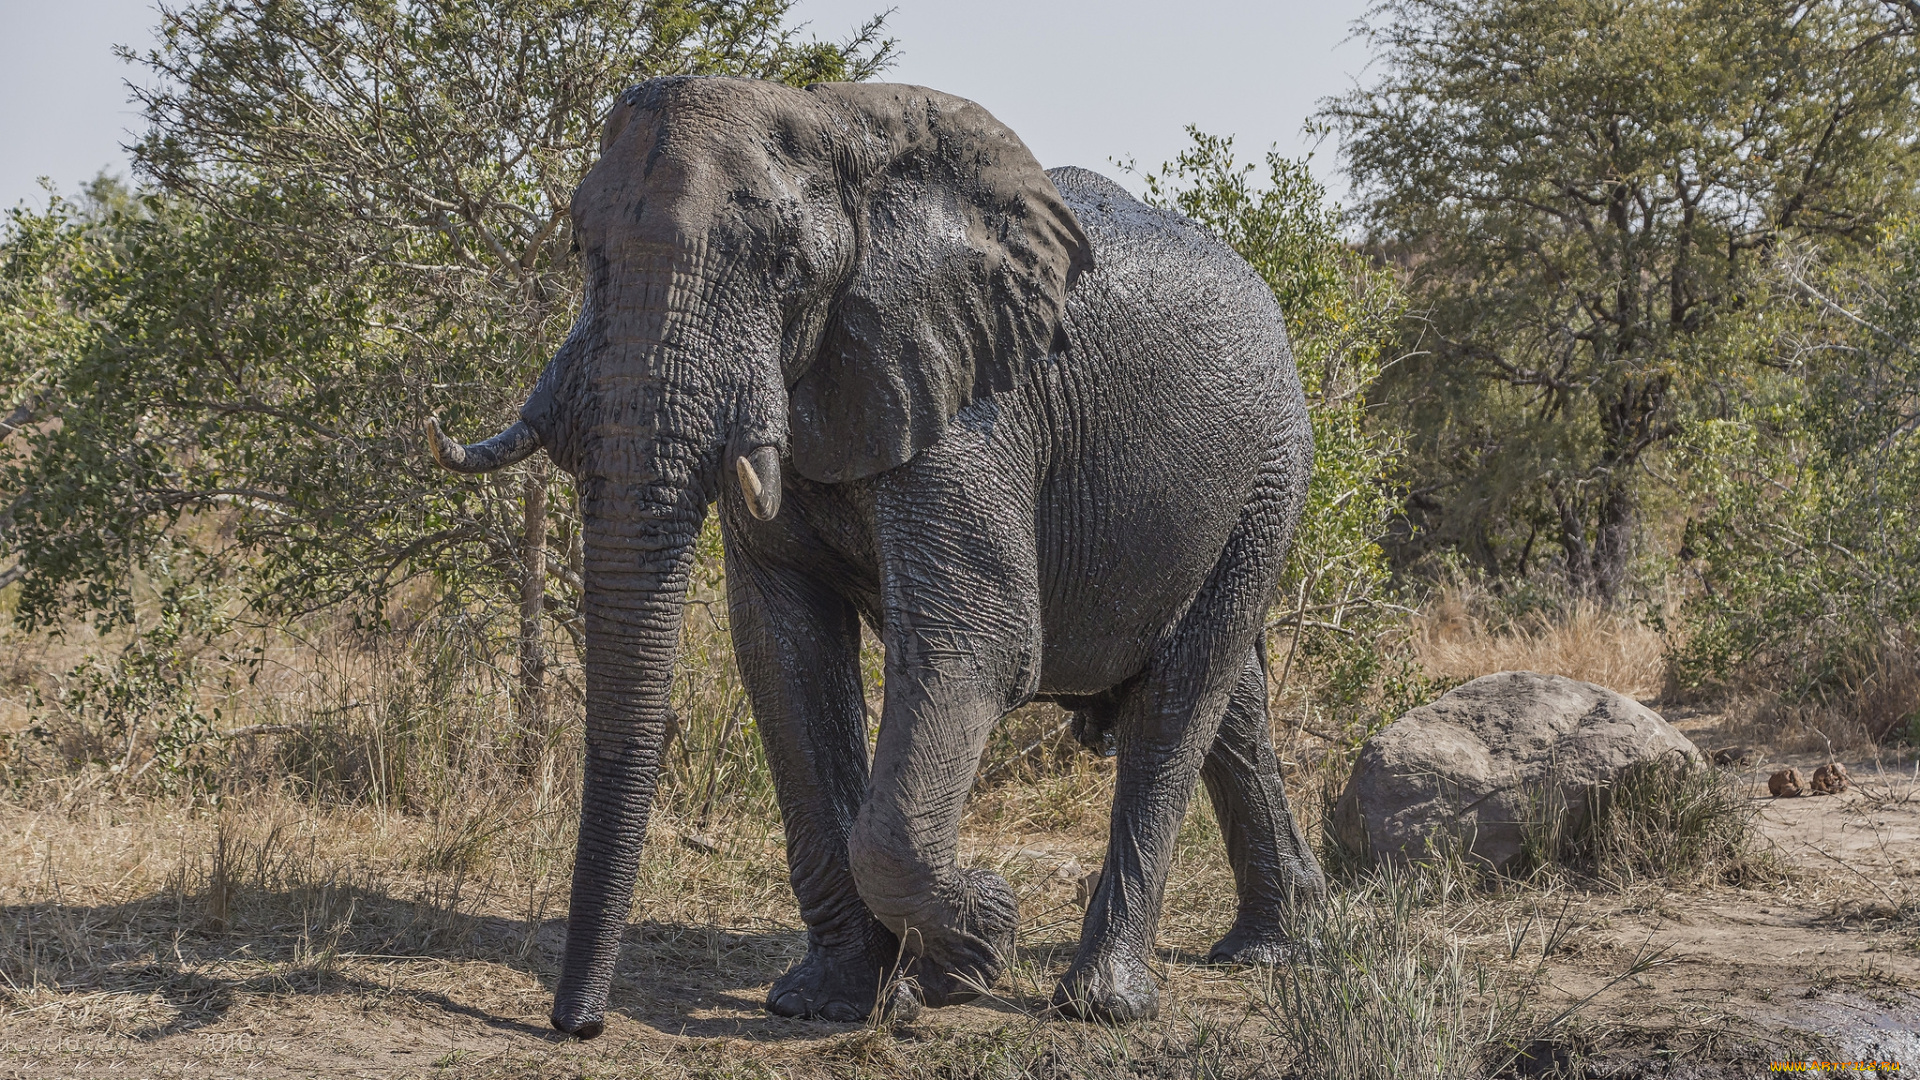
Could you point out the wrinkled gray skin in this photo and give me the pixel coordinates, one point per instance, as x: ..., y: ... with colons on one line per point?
x: 1046, y: 441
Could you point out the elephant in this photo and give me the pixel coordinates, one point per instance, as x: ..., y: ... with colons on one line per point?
x: 1047, y: 442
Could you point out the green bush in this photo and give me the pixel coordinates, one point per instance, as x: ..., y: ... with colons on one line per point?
x: 1806, y: 546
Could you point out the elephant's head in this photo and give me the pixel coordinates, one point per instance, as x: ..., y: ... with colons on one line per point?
x: 776, y: 279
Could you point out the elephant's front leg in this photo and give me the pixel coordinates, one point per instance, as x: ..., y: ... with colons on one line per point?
x: 958, y: 924
x: 960, y: 588
x: 798, y: 647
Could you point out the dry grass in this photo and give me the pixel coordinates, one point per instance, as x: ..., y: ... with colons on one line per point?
x: 373, y: 884
x: 140, y: 926
x: 134, y: 922
x: 1463, y: 631
x: 1371, y: 991
x: 380, y: 855
x: 1665, y: 819
x: 1461, y: 634
x: 1873, y: 719
x: 389, y: 873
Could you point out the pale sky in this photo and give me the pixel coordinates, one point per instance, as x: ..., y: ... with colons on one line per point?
x: 1082, y: 81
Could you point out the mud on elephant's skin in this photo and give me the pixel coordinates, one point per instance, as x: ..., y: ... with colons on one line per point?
x: 1046, y: 441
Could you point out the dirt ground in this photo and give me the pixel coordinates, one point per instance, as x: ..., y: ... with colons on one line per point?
x: 1824, y: 965
x: 268, y: 942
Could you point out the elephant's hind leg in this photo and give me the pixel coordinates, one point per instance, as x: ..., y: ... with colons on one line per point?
x: 1166, y: 728
x: 798, y: 648
x: 1273, y: 868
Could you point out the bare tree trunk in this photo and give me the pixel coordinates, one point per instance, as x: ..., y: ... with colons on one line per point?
x: 533, y: 589
x: 1613, y: 541
x: 1573, y: 539
x: 1630, y: 423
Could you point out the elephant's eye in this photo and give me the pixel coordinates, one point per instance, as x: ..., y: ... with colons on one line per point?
x: 786, y: 266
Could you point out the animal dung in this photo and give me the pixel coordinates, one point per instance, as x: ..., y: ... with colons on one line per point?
x: 1831, y: 779
x: 1787, y: 783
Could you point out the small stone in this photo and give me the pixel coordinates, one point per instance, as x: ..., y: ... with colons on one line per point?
x: 902, y: 1004
x: 1033, y: 854
x: 1070, y: 870
x: 1084, y: 889
x: 701, y: 842
x: 1831, y: 779
x: 1787, y: 783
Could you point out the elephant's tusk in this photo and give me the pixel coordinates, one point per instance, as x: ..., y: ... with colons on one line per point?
x: 760, y: 481
x: 517, y: 443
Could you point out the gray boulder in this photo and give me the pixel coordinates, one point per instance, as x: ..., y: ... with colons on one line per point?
x: 1470, y: 765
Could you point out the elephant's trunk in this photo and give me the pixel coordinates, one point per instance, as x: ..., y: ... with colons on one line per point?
x: 637, y: 555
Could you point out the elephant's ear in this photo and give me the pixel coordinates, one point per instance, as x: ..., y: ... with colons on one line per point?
x: 965, y: 255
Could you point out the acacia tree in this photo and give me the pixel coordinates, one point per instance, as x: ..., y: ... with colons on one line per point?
x: 1581, y: 192
x: 360, y: 220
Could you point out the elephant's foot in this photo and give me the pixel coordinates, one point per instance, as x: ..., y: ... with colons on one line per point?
x: 958, y: 963
x: 1252, y: 943
x: 1110, y: 988
x: 839, y: 984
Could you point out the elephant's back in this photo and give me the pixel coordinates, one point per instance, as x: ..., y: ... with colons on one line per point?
x: 1176, y: 404
x: 1154, y: 263
x: 1177, y: 316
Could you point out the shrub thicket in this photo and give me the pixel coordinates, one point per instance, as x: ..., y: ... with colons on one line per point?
x: 1806, y: 539
x: 1582, y: 196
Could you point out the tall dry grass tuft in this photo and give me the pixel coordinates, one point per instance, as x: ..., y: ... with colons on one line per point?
x: 1366, y: 993
x: 1667, y: 819
x: 1381, y: 983
x: 1872, y: 710
x: 1875, y: 705
x: 1886, y: 700
x: 1462, y: 633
